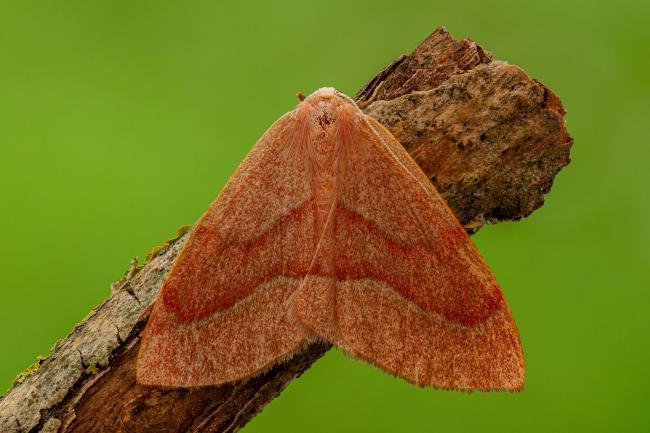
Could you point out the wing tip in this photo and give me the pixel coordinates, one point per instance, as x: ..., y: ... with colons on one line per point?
x: 156, y: 375
x: 510, y: 384
x: 506, y: 382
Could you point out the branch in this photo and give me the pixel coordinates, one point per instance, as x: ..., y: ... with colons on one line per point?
x: 489, y: 137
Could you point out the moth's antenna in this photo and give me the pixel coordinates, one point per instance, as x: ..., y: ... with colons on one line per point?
x: 301, y: 96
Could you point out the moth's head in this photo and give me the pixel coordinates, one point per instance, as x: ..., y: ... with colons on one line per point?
x: 327, y: 92
x: 328, y: 113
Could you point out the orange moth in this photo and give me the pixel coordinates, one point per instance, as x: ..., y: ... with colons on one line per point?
x: 329, y: 230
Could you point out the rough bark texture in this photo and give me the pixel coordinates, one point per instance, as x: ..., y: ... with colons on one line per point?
x: 488, y: 136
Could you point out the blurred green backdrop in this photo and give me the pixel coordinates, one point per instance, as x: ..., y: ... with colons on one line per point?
x: 120, y: 121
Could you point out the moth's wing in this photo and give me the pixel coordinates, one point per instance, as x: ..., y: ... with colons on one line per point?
x: 398, y: 282
x: 221, y: 315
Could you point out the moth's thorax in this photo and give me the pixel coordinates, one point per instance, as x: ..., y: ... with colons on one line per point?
x: 326, y: 116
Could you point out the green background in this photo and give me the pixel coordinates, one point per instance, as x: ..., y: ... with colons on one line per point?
x: 120, y: 121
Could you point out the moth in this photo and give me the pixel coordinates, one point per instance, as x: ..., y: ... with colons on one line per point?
x: 329, y: 230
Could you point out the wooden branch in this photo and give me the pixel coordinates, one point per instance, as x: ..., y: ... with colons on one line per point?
x: 489, y: 137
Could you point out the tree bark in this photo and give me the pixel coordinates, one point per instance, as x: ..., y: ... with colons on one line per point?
x: 489, y: 137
